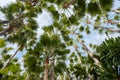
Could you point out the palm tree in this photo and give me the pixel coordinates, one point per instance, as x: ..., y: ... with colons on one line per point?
x: 17, y: 30
x: 51, y: 50
x: 109, y: 55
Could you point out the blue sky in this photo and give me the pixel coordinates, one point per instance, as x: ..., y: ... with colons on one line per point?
x: 45, y: 19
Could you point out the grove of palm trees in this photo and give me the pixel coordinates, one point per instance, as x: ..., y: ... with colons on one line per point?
x: 80, y: 40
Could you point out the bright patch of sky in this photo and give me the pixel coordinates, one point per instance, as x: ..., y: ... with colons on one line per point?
x: 5, y: 2
x: 95, y: 37
x: 116, y: 4
x: 43, y: 19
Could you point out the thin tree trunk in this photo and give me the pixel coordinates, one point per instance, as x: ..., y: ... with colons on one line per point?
x: 27, y: 77
x: 77, y: 53
x: 109, y: 29
x: 8, y: 61
x: 5, y: 31
x: 52, y: 69
x: 90, y: 77
x: 46, y: 69
x: 116, y: 11
x: 113, y: 22
x: 97, y: 62
x: 4, y: 22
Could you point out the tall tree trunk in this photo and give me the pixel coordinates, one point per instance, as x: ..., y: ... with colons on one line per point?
x: 90, y: 77
x: 46, y: 69
x: 106, y: 28
x: 27, y: 77
x: 4, y: 22
x: 77, y: 54
x: 52, y: 69
x: 116, y: 11
x: 97, y: 62
x: 109, y: 29
x: 8, y: 61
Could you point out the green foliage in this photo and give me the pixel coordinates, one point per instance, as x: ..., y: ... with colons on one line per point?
x: 79, y: 70
x: 106, y: 4
x: 11, y: 9
x: 45, y: 40
x: 93, y: 8
x: 81, y: 28
x: 2, y: 43
x: 87, y: 30
x: 109, y: 56
x: 30, y: 63
x: 109, y: 50
x: 65, y: 35
x: 60, y: 67
x: 116, y: 17
x: 13, y: 69
x: 80, y: 8
x: 118, y: 26
x: 73, y: 20
x: 32, y: 24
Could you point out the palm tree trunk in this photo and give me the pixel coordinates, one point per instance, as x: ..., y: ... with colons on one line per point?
x: 46, y: 69
x: 97, y: 62
x: 109, y: 29
x: 27, y: 77
x: 52, y: 69
x: 116, y: 11
x: 8, y: 61
x: 4, y: 22
x: 90, y: 77
x: 77, y: 53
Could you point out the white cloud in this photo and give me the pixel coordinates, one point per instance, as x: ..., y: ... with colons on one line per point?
x: 2, y: 16
x: 5, y: 2
x: 116, y: 4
